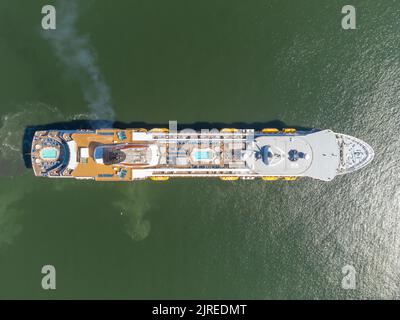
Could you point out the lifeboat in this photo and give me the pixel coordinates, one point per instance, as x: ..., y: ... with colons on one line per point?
x: 158, y: 130
x: 271, y: 178
x: 139, y: 130
x: 289, y: 178
x: 289, y: 130
x: 270, y: 130
x: 230, y: 178
x: 229, y: 130
x: 159, y: 178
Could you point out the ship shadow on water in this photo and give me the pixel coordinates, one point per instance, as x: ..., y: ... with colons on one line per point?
x: 102, y: 124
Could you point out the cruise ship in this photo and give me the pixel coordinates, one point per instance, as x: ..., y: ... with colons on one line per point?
x: 229, y: 154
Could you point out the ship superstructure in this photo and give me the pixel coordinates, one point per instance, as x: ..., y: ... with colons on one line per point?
x: 230, y: 154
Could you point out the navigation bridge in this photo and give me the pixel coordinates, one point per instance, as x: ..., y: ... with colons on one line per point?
x: 230, y: 154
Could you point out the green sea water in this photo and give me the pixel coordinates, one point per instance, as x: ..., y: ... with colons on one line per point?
x: 209, y: 61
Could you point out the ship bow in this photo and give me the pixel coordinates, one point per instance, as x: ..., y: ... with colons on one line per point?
x: 354, y: 153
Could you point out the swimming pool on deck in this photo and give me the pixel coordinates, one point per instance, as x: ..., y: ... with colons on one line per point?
x: 203, y: 155
x: 49, y: 154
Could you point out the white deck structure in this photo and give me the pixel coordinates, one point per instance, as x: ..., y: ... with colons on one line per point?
x: 318, y: 155
x: 321, y: 155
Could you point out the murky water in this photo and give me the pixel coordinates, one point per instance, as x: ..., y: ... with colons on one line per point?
x: 212, y: 62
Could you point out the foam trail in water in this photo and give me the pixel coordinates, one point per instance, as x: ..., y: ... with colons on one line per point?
x: 75, y: 52
x: 133, y: 207
x: 10, y: 225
